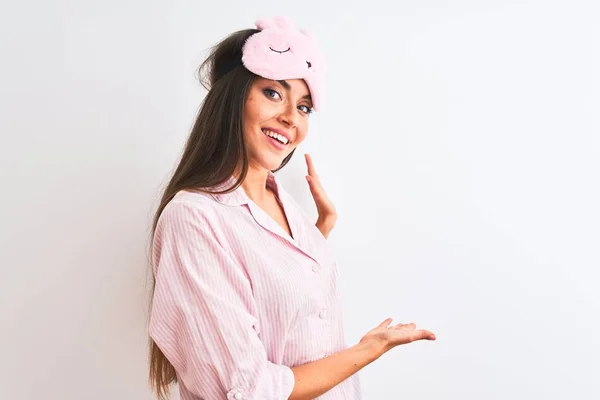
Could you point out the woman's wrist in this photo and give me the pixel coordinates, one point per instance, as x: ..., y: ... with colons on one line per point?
x: 375, y: 348
x: 325, y: 225
x: 329, y: 219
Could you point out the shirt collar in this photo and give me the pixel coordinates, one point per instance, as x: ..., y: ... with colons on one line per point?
x: 238, y: 197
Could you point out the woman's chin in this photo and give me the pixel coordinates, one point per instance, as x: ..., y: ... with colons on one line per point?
x: 274, y: 166
x: 273, y: 163
x: 270, y: 161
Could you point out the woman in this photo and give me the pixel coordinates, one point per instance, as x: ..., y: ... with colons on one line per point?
x: 245, y: 303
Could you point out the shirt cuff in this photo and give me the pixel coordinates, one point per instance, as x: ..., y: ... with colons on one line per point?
x: 286, y: 388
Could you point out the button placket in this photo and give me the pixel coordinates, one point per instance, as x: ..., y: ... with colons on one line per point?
x: 316, y: 268
x: 327, y: 327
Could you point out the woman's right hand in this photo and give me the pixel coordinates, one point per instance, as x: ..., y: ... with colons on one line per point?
x: 386, y: 337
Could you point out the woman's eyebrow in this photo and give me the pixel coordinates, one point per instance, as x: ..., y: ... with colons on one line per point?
x: 287, y: 87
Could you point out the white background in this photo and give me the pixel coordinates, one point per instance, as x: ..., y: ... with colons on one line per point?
x: 460, y: 143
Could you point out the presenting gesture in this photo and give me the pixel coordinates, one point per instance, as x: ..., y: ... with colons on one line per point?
x: 325, y: 208
x: 386, y: 337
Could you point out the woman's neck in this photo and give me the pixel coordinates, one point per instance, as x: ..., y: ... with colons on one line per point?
x: 255, y: 184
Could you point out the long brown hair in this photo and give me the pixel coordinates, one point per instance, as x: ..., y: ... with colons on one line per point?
x: 214, y: 152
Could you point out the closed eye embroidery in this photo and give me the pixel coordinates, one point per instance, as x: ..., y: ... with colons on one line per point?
x: 277, y: 51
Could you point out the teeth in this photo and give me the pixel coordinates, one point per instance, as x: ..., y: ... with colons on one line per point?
x: 277, y: 136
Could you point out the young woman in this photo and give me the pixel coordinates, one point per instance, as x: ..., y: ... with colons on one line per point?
x: 245, y: 302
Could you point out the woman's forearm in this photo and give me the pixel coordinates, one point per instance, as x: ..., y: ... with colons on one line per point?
x: 317, y: 377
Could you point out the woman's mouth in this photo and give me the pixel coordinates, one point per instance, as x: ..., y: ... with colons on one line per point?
x: 277, y: 140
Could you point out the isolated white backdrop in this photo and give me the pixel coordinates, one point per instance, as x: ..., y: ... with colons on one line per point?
x: 460, y: 144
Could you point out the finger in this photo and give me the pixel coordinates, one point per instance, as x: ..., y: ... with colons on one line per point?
x: 423, y: 334
x: 315, y: 185
x: 316, y: 188
x: 408, y: 327
x: 385, y: 323
x: 311, y: 167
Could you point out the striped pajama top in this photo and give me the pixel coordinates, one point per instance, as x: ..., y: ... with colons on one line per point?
x: 238, y: 302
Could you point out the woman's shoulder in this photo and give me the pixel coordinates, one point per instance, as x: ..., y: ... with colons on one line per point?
x: 191, y: 203
x: 193, y: 197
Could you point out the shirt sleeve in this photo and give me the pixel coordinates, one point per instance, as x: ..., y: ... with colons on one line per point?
x: 203, y: 313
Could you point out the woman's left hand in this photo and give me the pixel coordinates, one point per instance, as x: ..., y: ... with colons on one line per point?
x: 325, y: 208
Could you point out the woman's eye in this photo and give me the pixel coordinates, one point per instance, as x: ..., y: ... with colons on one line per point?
x: 272, y: 93
x: 306, y: 109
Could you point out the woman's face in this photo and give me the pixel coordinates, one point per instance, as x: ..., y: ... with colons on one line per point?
x: 275, y: 120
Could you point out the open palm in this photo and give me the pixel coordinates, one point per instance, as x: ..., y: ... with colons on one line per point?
x: 395, y: 335
x: 325, y: 207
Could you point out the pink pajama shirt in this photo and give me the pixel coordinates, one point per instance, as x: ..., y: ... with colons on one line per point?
x: 238, y: 302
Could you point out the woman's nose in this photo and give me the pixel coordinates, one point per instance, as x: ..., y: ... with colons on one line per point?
x: 289, y: 116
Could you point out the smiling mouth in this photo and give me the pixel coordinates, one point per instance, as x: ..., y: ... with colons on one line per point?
x: 273, y: 135
x: 278, y: 51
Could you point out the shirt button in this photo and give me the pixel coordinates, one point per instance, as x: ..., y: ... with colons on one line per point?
x: 235, y: 394
x: 323, y: 314
x: 315, y: 268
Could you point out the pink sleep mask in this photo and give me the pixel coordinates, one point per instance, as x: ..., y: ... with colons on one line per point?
x: 280, y: 52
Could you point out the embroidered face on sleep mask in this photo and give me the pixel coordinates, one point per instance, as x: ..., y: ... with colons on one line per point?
x: 280, y: 51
